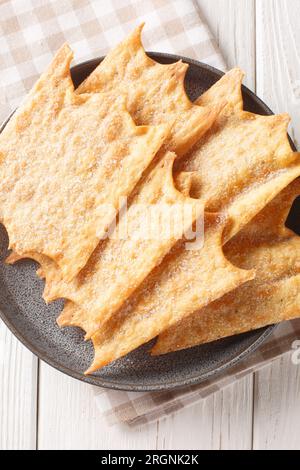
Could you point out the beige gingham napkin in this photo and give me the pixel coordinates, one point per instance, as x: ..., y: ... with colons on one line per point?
x: 31, y: 31
x: 141, y: 408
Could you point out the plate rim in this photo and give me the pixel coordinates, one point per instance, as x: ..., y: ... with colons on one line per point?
x: 178, y: 384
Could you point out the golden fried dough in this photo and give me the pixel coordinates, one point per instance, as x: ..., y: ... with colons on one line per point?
x: 273, y: 296
x: 121, y: 262
x: 66, y: 160
x: 155, y: 92
x: 243, y: 161
x: 186, y: 278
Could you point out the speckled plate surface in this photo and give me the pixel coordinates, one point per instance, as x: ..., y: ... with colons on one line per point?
x: 25, y: 313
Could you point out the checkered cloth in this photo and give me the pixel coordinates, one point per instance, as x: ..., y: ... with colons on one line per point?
x: 31, y: 31
x: 141, y: 408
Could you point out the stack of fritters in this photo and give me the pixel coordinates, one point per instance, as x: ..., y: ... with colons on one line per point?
x: 70, y: 157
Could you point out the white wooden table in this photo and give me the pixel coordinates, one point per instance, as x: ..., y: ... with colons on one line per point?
x: 41, y: 408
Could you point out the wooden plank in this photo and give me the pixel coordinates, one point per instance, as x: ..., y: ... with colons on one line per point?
x: 222, y: 421
x: 18, y: 394
x: 69, y: 418
x: 232, y: 24
x: 277, y: 397
x: 278, y: 57
x: 277, y: 406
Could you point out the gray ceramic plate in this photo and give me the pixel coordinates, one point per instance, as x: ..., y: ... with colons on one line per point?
x: 25, y: 313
